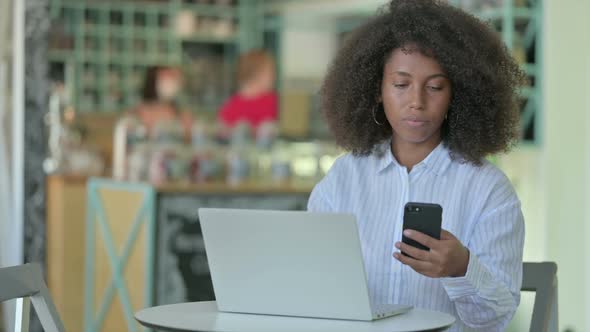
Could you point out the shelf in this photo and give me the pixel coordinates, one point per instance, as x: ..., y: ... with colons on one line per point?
x: 135, y: 32
x: 224, y: 11
x: 95, y: 58
x: 249, y: 186
x: 530, y: 69
x: 499, y: 13
x: 521, y: 29
x: 60, y: 55
x: 115, y: 5
x: 212, y: 10
x: 527, y: 92
x: 122, y: 38
x: 209, y: 39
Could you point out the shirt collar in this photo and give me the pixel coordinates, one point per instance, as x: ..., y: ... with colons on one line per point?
x: 437, y: 161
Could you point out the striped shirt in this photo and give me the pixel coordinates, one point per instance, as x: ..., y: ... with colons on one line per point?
x: 480, y: 208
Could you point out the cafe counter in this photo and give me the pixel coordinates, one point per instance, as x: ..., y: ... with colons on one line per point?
x: 116, y: 247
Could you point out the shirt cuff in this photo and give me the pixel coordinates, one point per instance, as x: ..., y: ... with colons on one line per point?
x: 469, y: 284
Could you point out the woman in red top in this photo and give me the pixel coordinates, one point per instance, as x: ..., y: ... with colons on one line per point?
x: 255, y: 102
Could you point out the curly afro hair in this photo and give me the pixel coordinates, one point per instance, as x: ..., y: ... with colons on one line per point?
x: 483, y: 116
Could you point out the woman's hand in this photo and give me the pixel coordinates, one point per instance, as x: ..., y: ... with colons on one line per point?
x: 447, y: 257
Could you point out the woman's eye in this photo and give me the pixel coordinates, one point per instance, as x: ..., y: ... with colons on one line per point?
x: 435, y: 88
x: 400, y: 85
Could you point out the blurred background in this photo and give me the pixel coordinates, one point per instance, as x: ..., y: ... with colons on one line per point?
x: 146, y: 98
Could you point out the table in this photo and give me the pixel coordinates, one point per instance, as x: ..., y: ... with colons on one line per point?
x: 204, y: 316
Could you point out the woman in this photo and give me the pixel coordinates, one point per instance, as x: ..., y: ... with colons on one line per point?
x: 161, y: 86
x: 419, y: 95
x: 255, y: 102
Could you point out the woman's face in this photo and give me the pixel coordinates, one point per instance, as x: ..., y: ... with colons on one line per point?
x: 265, y: 78
x: 416, y: 94
x: 169, y: 83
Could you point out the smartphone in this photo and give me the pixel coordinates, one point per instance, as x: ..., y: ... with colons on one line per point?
x: 422, y: 217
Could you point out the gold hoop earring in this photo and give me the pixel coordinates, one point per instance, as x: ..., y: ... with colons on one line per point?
x: 375, y: 117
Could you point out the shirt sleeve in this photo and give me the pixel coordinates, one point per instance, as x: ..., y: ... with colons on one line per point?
x: 489, y: 293
x: 322, y: 198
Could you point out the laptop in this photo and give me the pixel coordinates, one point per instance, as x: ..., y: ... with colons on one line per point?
x: 290, y: 263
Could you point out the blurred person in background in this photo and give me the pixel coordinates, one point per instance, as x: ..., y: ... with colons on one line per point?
x: 255, y: 101
x: 161, y: 87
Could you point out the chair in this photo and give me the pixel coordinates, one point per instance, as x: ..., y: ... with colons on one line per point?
x: 25, y: 283
x: 542, y: 279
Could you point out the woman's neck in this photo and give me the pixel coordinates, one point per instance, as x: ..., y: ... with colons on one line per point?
x: 410, y: 154
x: 251, y: 91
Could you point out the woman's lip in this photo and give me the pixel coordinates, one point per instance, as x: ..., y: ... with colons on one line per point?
x: 415, y: 123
